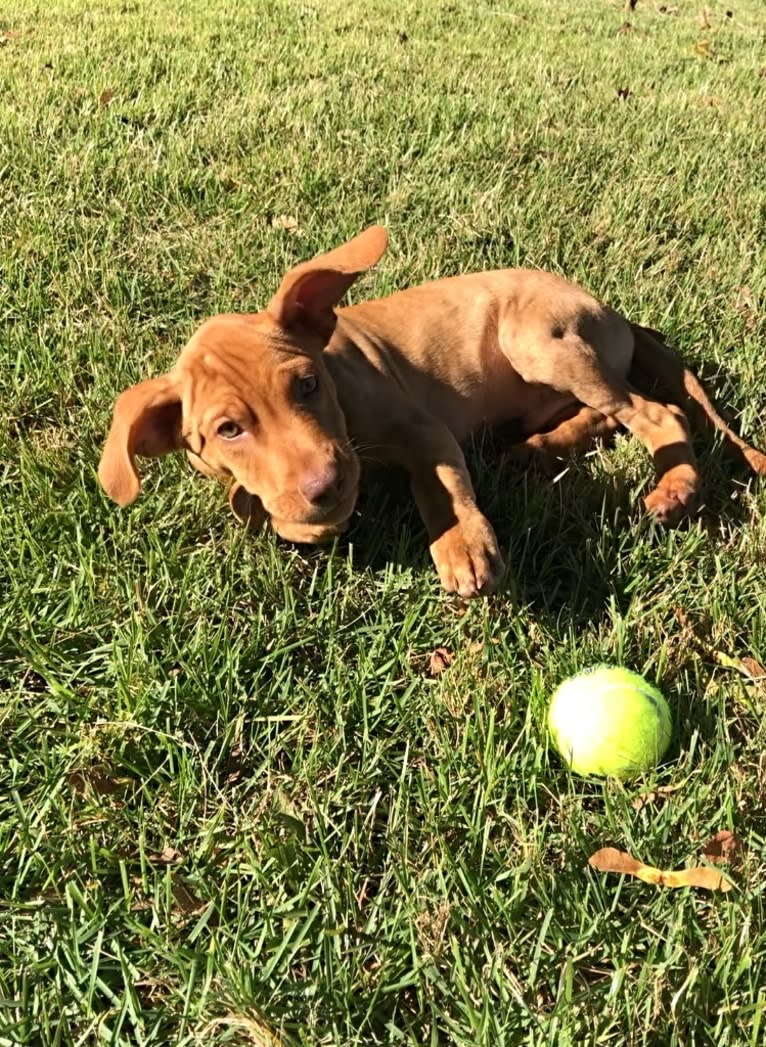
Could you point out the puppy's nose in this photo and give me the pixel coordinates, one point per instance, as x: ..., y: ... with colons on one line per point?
x: 321, y: 485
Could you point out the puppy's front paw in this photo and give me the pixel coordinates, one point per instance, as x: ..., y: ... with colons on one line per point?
x: 673, y: 499
x: 467, y: 558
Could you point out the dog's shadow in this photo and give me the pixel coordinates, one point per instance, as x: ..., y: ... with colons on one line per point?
x: 564, y: 538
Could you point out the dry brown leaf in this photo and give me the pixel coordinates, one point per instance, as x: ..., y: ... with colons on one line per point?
x: 168, y: 856
x: 186, y: 900
x: 747, y: 307
x: 745, y: 665
x: 699, y: 876
x: 702, y: 47
x: 723, y: 847
x: 105, y: 97
x: 93, y: 781
x: 658, y: 795
x: 753, y: 669
x: 440, y: 660
x: 431, y: 926
x: 609, y: 859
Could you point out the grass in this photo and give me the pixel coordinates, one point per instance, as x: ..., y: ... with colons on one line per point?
x: 235, y: 807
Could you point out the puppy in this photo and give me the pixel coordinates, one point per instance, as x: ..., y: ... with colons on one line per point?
x: 288, y: 402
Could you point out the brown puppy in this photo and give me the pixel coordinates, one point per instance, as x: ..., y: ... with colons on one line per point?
x: 286, y: 402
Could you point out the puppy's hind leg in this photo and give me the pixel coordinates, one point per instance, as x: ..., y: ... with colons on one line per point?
x: 572, y: 365
x: 664, y: 431
x: 657, y: 361
x: 574, y: 435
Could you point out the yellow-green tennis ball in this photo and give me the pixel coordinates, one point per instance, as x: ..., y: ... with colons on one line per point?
x: 608, y: 720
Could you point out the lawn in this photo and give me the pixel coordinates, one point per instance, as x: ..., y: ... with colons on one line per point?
x: 237, y: 805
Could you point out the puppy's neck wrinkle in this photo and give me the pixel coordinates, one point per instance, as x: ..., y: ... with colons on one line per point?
x: 350, y: 334
x: 355, y: 338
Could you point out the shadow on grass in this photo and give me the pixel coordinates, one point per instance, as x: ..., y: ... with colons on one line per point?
x: 562, y: 538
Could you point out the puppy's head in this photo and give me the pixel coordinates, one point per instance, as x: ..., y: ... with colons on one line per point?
x: 250, y: 398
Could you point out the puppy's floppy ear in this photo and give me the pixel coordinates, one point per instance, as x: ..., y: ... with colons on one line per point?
x: 146, y: 421
x: 309, y: 292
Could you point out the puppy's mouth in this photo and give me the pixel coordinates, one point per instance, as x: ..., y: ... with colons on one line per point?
x: 339, y: 506
x: 318, y: 527
x: 308, y: 534
x: 321, y: 524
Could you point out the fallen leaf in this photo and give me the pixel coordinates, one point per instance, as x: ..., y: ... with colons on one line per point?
x: 746, y: 305
x: 609, y: 859
x: 753, y: 669
x: 698, y: 876
x: 747, y: 666
x: 285, y: 221
x: 185, y: 899
x: 745, y: 300
x: 658, y: 795
x: 726, y: 660
x: 702, y: 47
x: 725, y: 846
x: 105, y: 97
x: 440, y: 660
x: 101, y: 784
x: 167, y: 856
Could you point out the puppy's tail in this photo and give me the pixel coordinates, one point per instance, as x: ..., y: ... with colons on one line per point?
x: 657, y: 369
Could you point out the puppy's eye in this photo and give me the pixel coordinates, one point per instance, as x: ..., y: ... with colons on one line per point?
x: 228, y: 430
x: 309, y: 385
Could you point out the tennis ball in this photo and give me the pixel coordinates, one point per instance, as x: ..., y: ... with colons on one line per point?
x: 608, y: 720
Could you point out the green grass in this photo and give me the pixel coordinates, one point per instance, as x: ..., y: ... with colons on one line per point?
x: 235, y: 808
